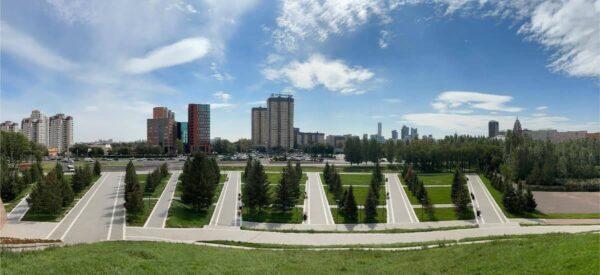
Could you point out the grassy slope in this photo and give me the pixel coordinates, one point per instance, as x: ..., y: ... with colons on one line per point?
x: 437, y: 195
x: 565, y: 254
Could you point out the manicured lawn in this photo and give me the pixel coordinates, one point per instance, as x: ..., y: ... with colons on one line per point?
x: 437, y: 178
x: 273, y: 216
x: 183, y: 215
x: 222, y: 178
x: 41, y: 217
x: 150, y: 199
x: 544, y: 254
x: 360, y: 195
x: 359, y: 179
x: 440, y: 214
x: 381, y: 216
x: 437, y: 195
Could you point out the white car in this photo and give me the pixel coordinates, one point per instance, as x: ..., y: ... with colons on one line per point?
x: 88, y: 160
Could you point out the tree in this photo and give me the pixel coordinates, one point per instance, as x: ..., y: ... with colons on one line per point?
x: 326, y: 173
x: 256, y: 189
x: 353, y: 151
x: 133, y: 194
x: 163, y: 170
x: 65, y: 187
x: 530, y: 203
x: 152, y: 180
x: 247, y: 169
x: 285, y: 196
x: 350, y: 209
x: 97, y: 168
x: 390, y: 150
x: 371, y: 205
x: 46, y: 196
x: 200, y: 182
x: 298, y: 171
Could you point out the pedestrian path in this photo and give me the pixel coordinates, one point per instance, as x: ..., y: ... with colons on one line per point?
x: 228, y: 209
x: 317, y: 208
x: 490, y: 212
x: 160, y: 212
x: 19, y: 211
x: 399, y: 208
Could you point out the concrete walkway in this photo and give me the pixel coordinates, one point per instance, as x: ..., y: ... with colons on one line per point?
x: 17, y: 213
x: 99, y: 215
x: 317, y: 208
x: 316, y: 239
x: 491, y: 213
x: 226, y: 211
x: 160, y: 212
x: 399, y: 208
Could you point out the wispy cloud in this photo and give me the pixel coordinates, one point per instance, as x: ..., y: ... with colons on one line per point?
x: 180, y: 52
x: 454, y: 100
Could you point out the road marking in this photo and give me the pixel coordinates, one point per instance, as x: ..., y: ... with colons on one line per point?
x: 408, y: 208
x: 474, y: 202
x: 324, y: 200
x: 112, y: 217
x: 490, y: 199
x: 223, y: 193
x: 80, y: 211
x: 165, y: 191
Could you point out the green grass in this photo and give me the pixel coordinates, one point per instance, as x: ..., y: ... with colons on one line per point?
x: 43, y: 217
x: 545, y: 254
x: 184, y: 216
x: 440, y: 214
x: 437, y: 178
x: 360, y: 195
x: 437, y: 195
x: 339, y: 218
x: 273, y: 216
x: 360, y: 179
x: 150, y: 199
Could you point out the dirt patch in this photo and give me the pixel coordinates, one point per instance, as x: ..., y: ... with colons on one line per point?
x: 568, y: 202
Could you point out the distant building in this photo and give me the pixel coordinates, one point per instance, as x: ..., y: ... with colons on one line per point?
x: 337, y: 142
x: 517, y: 127
x: 379, y: 128
x: 554, y: 135
x: 394, y: 135
x: 9, y: 126
x: 493, y: 128
x: 304, y: 139
x: 161, y: 129
x: 260, y: 126
x: 35, y: 128
x: 281, y: 121
x: 182, y: 134
x: 404, y: 134
x: 414, y: 134
x: 60, y: 133
x: 365, y: 137
x: 199, y: 127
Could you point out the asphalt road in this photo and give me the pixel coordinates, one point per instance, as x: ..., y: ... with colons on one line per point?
x: 226, y: 211
x: 490, y: 211
x: 317, y: 208
x: 399, y: 208
x: 158, y: 216
x: 99, y: 215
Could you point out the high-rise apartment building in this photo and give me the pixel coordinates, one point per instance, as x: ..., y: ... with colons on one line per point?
x: 182, y: 134
x: 404, y: 133
x: 260, y: 126
x: 9, y: 126
x: 493, y: 128
x: 379, y: 128
x: 35, y: 128
x: 162, y: 129
x: 414, y: 134
x: 304, y: 138
x: 199, y: 127
x: 281, y: 121
x: 394, y: 135
x: 60, y: 133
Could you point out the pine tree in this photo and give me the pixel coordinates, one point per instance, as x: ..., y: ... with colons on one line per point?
x: 530, y: 203
x: 298, y: 171
x: 65, y: 187
x: 163, y: 171
x: 285, y: 197
x: 337, y: 186
x: 46, y: 196
x: 200, y: 183
x: 377, y: 176
x: 350, y: 209
x: 260, y: 185
x: 133, y: 194
x: 186, y: 196
x: 76, y: 181
x: 326, y: 173
x: 97, y: 168
x: 371, y: 205
x: 247, y: 169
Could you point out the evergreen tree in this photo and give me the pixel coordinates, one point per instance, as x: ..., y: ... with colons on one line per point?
x: 350, y: 210
x: 36, y: 171
x: 535, y: 176
x: 326, y: 173
x: 285, y: 197
x: 60, y: 175
x: 186, y: 196
x: 97, y: 168
x: 390, y: 150
x: 152, y: 180
x: 377, y: 176
x: 530, y: 203
x: 371, y: 205
x: 259, y: 186
x: 298, y: 171
x: 46, y: 196
x: 341, y: 201
x: 163, y: 171
x: 76, y: 181
x: 247, y: 169
x: 337, y: 186
x: 65, y: 187
x: 201, y: 182
x: 133, y: 194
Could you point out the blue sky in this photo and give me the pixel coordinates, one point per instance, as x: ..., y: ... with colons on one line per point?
x: 443, y: 66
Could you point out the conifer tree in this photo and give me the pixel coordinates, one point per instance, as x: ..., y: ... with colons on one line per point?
x: 285, y: 197
x: 247, y: 169
x: 256, y: 187
x: 298, y: 171
x: 65, y: 187
x: 371, y: 205
x: 46, y: 196
x: 530, y: 203
x: 133, y: 194
x: 97, y: 168
x: 350, y: 208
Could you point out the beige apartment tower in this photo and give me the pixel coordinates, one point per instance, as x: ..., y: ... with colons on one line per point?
x: 60, y: 132
x: 280, y: 110
x: 260, y: 126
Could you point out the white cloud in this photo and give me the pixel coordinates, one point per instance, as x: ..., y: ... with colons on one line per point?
x: 334, y: 75
x: 542, y: 108
x: 217, y: 74
x: 26, y: 47
x: 223, y: 96
x: 226, y: 106
x: 450, y: 101
x: 392, y: 100
x: 183, y: 51
x: 384, y: 37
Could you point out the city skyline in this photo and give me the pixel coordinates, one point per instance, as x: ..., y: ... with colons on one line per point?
x: 441, y: 67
